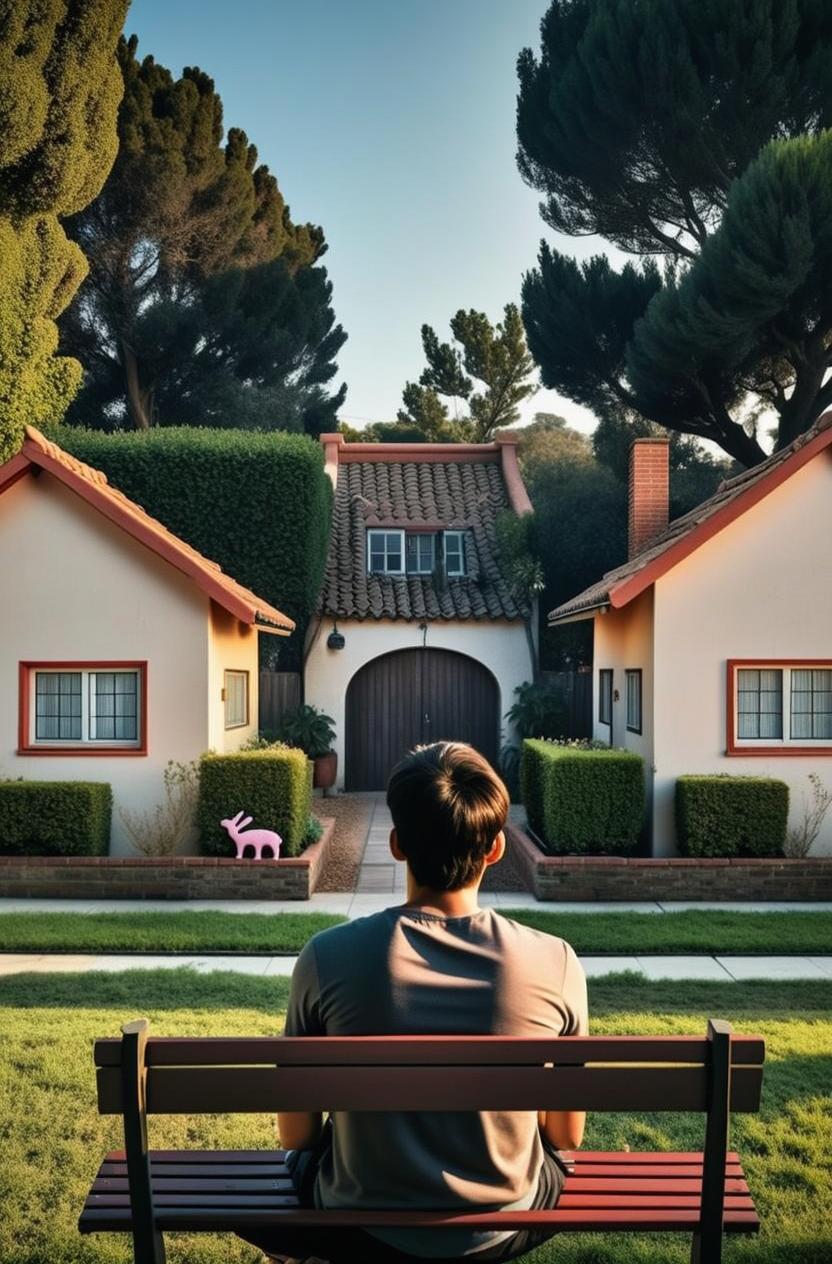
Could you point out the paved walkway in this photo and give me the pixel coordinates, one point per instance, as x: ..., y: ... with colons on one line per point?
x: 711, y: 969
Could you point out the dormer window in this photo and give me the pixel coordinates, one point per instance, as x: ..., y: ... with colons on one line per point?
x: 399, y: 552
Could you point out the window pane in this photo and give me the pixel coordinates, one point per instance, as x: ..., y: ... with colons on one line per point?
x: 760, y: 703
x: 114, y: 706
x: 236, y: 699
x: 411, y: 553
x: 633, y: 700
x: 811, y: 703
x: 58, y: 706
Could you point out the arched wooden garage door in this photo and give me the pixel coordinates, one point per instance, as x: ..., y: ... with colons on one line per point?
x: 413, y: 696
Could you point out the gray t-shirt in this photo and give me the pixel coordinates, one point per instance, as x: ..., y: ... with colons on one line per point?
x: 407, y: 972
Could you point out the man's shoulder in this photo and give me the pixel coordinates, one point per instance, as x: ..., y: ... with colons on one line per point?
x: 528, y: 938
x: 347, y: 936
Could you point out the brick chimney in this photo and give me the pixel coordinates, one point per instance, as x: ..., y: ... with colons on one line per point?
x: 649, y: 492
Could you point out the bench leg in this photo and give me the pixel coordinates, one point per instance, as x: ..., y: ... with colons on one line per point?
x: 148, y: 1243
x: 706, y: 1248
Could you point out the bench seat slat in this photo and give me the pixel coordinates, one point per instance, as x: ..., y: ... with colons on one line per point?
x: 226, y: 1157
x: 423, y: 1050
x: 567, y: 1202
x: 214, y: 1219
x: 587, y: 1185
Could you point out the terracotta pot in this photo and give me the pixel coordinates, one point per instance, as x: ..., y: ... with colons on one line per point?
x: 326, y: 769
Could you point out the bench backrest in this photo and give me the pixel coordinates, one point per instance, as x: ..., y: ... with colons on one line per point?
x: 450, y: 1073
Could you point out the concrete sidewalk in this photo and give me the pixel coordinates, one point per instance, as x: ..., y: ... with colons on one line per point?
x: 725, y: 969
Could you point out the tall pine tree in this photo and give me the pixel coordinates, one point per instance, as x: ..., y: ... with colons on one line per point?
x: 691, y: 132
x: 203, y: 304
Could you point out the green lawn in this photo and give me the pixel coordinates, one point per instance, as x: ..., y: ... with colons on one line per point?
x: 710, y: 931
x: 51, y: 1138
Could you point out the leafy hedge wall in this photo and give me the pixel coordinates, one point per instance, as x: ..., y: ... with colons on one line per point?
x: 259, y: 504
x: 55, y: 818
x: 583, y: 801
x: 731, y: 816
x: 272, y: 786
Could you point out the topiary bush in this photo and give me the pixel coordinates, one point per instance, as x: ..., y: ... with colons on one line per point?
x: 259, y: 504
x: 580, y: 801
x: 55, y: 818
x: 273, y: 785
x: 722, y: 815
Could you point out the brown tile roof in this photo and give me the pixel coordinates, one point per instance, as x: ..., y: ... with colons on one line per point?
x: 456, y: 489
x: 732, y: 498
x: 93, y: 487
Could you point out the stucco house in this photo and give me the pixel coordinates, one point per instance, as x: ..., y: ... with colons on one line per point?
x: 713, y: 642
x: 418, y: 635
x: 121, y: 647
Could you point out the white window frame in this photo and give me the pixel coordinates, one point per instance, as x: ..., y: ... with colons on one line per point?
x: 421, y: 535
x: 88, y: 718
x: 603, y: 673
x: 459, y: 536
x: 384, y: 532
x: 634, y: 674
x: 771, y: 745
x: 235, y: 671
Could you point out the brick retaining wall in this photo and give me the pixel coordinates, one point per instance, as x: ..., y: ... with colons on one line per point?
x: 610, y: 878
x: 165, y: 878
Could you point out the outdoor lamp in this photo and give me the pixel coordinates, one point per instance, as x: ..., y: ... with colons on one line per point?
x: 335, y: 640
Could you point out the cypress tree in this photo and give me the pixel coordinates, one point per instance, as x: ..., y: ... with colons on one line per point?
x: 60, y: 88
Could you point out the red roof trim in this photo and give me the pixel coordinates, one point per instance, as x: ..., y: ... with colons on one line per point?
x: 623, y: 593
x: 92, y: 486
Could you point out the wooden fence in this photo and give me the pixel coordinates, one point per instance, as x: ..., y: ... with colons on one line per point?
x: 279, y: 692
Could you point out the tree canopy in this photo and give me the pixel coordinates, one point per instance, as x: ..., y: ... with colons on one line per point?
x: 691, y: 132
x: 486, y: 366
x: 60, y: 88
x: 202, y: 305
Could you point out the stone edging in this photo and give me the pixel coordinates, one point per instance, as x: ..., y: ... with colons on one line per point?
x: 631, y: 878
x: 166, y: 877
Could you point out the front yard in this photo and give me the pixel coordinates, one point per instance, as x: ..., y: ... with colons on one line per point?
x: 51, y: 1138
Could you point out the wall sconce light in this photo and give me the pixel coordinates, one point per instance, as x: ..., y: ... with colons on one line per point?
x: 335, y: 640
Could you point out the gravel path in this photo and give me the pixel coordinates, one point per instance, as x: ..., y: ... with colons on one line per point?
x: 352, y: 820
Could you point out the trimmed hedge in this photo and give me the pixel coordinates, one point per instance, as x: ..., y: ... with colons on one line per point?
x: 55, y: 818
x: 723, y: 815
x: 259, y: 504
x: 583, y: 802
x: 272, y: 786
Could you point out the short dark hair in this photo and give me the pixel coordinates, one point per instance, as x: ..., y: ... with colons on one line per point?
x: 448, y: 806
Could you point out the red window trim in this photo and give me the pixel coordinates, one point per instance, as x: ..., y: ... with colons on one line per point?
x: 785, y: 750
x: 25, y: 746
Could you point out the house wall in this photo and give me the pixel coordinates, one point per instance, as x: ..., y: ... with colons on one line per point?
x: 500, y: 646
x: 761, y: 588
x: 623, y: 640
x: 77, y: 588
x: 232, y: 646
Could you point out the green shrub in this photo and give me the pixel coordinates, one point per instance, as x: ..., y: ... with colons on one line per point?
x: 731, y: 816
x: 582, y: 801
x: 55, y: 818
x: 259, y: 504
x: 274, y: 786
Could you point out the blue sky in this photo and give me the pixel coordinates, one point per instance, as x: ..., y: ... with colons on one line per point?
x: 390, y: 123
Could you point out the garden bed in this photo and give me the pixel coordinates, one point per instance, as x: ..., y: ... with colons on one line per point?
x: 166, y: 877
x: 632, y: 878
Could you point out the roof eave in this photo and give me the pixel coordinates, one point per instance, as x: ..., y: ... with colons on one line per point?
x: 577, y: 616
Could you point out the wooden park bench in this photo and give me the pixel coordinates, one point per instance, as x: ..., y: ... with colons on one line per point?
x: 149, y: 1192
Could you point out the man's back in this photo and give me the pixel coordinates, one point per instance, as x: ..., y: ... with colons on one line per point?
x: 408, y: 972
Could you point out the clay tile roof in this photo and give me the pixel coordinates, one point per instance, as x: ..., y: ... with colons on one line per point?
x: 93, y: 486
x: 445, y: 490
x: 731, y: 499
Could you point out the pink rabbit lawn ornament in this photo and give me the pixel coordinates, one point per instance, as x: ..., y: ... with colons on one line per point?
x: 256, y: 838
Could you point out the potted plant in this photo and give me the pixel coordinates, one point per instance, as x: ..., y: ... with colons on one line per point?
x: 310, y: 729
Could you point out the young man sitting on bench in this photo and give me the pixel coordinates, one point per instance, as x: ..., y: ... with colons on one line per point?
x: 435, y: 965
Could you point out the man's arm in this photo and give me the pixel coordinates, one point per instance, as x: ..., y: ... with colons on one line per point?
x: 565, y: 1128
x: 300, y: 1129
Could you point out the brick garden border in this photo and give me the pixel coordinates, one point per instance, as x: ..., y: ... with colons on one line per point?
x: 611, y: 878
x: 166, y: 878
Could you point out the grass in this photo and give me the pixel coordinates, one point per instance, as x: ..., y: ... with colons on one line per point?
x: 51, y: 1138
x: 642, y: 933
